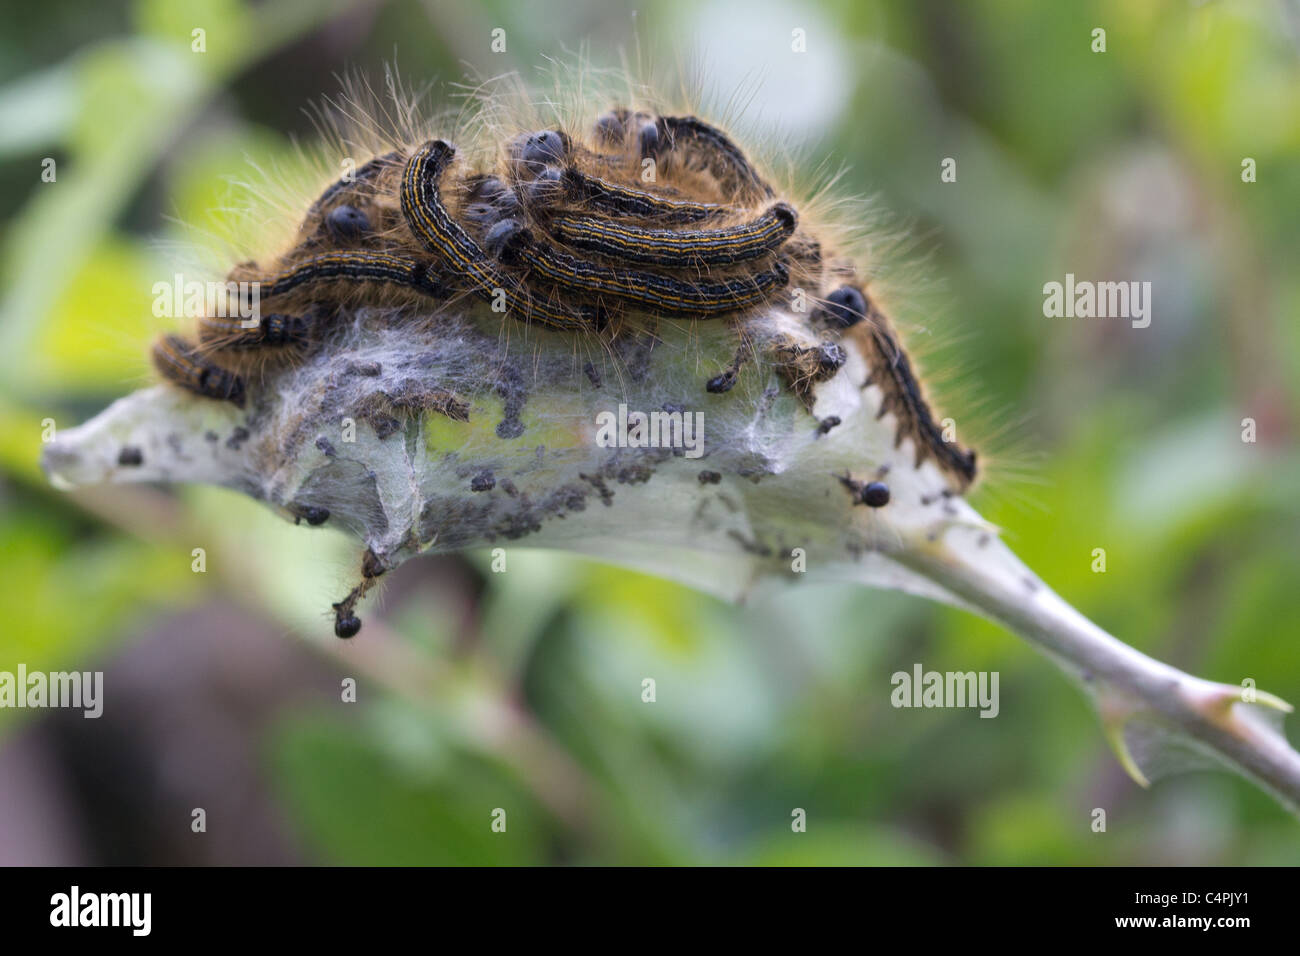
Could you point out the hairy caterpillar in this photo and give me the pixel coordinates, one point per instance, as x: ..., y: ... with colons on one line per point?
x: 271, y: 330
x: 356, y: 267
x: 694, y: 141
x: 664, y: 247
x: 178, y: 362
x: 365, y: 174
x: 599, y: 195
x: 646, y: 290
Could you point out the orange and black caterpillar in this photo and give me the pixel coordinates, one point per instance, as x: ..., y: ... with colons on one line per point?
x: 571, y: 236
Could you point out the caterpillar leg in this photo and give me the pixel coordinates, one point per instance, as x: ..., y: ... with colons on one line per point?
x: 179, y: 363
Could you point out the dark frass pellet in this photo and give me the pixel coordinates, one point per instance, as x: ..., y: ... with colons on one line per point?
x: 722, y: 383
x: 875, y: 494
x: 314, y: 515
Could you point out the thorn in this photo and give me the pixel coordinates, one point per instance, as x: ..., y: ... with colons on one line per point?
x: 1215, y: 702
x: 1115, y: 714
x: 1265, y: 699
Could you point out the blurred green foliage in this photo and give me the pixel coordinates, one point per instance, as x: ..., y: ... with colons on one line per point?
x: 1110, y: 437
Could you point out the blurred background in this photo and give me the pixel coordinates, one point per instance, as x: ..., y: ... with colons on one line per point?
x: 522, y: 690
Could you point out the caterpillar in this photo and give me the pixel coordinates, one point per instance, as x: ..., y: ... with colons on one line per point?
x: 178, y: 362
x: 271, y: 330
x: 289, y: 330
x: 598, y: 194
x: 666, y: 247
x: 364, y: 175
x: 647, y: 290
x: 692, y: 140
x: 848, y: 308
x: 356, y: 267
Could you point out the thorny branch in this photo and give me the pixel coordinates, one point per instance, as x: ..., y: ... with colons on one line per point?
x: 773, y: 478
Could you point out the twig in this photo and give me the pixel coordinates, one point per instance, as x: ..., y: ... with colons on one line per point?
x: 1222, y: 721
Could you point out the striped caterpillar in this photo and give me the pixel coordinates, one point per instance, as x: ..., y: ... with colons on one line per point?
x: 569, y: 234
